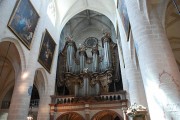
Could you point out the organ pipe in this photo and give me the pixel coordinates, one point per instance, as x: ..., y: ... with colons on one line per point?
x: 95, y: 54
x: 82, y: 55
x: 107, y: 52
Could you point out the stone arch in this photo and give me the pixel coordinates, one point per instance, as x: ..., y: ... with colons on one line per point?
x: 10, y: 86
x: 19, y: 49
x: 12, y: 60
x: 67, y: 18
x: 111, y: 27
x: 71, y: 116
x: 40, y: 81
x: 103, y: 113
x: 164, y: 10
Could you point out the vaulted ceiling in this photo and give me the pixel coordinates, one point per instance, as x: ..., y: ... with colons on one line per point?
x: 69, y: 8
x: 87, y: 24
x: 172, y: 24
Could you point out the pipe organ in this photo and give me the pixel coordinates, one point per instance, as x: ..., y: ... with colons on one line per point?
x: 83, y: 76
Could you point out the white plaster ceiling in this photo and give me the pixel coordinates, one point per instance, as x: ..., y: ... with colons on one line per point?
x: 66, y: 9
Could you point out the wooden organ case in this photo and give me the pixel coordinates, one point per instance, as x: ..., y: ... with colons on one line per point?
x: 82, y: 76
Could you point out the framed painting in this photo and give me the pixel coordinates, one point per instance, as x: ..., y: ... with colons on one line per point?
x: 47, y: 51
x: 23, y: 21
x: 124, y: 17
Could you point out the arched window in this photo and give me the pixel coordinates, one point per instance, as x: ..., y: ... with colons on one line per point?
x: 51, y: 11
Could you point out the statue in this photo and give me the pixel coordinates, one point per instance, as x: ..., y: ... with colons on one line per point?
x: 136, y: 111
x: 69, y: 38
x: 85, y: 70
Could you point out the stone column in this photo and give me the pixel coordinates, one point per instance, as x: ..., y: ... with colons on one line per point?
x: 45, y: 99
x: 21, y: 96
x: 133, y: 75
x: 159, y: 70
x: 43, y: 111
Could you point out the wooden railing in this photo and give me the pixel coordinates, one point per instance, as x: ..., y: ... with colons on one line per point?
x: 112, y: 96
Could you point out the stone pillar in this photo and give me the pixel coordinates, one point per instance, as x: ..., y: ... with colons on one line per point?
x: 159, y: 70
x: 43, y: 110
x: 21, y: 96
x: 133, y: 75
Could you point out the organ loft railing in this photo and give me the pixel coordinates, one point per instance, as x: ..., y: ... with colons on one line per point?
x: 81, y: 76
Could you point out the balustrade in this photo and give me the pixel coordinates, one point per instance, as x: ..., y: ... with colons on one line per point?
x: 112, y: 96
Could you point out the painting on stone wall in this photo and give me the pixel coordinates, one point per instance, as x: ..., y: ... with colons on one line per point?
x: 124, y: 17
x: 23, y: 21
x: 47, y: 51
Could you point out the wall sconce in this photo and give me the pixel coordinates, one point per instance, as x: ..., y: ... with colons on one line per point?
x: 177, y: 6
x: 30, y: 114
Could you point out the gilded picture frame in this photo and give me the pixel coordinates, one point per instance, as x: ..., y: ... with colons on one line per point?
x: 47, y: 49
x: 23, y: 21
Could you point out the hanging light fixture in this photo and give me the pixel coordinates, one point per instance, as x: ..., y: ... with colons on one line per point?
x: 30, y: 114
x: 177, y: 6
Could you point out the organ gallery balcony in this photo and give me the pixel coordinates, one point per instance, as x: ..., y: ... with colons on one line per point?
x: 111, y: 100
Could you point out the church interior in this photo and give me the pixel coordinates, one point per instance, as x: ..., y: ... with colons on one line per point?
x: 89, y: 60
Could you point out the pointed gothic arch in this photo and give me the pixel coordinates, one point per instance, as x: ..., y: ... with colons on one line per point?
x: 12, y: 62
x: 107, y: 114
x: 67, y: 18
x: 20, y: 51
x: 70, y: 116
